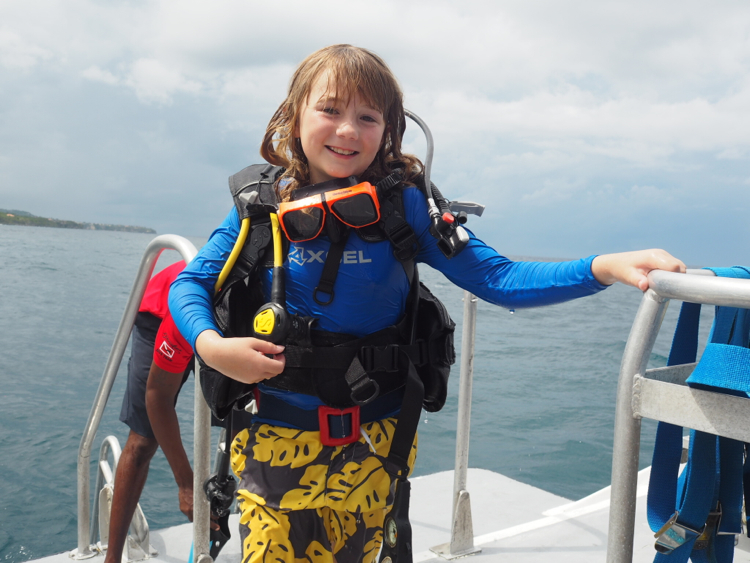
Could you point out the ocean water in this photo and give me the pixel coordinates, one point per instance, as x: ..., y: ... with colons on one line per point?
x: 543, y: 401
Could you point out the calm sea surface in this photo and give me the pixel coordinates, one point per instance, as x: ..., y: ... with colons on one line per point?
x: 543, y: 406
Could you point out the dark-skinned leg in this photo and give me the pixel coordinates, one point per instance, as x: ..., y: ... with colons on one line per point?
x: 132, y: 471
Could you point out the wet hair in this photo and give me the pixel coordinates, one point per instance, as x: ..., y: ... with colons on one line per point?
x: 350, y: 70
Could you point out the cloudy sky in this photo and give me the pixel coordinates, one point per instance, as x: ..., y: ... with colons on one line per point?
x: 584, y: 127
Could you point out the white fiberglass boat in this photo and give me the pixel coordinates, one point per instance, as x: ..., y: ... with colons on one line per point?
x: 466, y: 512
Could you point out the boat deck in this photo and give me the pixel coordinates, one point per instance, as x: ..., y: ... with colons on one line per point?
x: 519, y: 523
x: 512, y: 522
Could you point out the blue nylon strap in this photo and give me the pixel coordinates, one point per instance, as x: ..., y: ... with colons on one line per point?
x: 723, y: 548
x: 732, y: 272
x: 665, y: 465
x: 730, y: 485
x: 723, y: 326
x: 715, y: 465
x: 741, y: 336
x: 663, y: 497
x: 699, y: 492
x: 723, y: 366
x: 685, y: 341
x: 697, y: 496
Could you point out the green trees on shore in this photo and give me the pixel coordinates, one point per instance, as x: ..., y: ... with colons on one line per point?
x: 15, y: 217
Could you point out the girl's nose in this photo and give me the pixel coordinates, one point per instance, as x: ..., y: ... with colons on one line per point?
x: 347, y: 129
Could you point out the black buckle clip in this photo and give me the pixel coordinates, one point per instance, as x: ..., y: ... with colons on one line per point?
x: 397, y: 469
x: 379, y: 358
x: 402, y: 237
x: 423, y: 356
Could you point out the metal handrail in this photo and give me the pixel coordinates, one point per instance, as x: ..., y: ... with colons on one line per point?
x: 462, y: 530
x: 461, y: 541
x: 201, y: 470
x: 105, y: 475
x: 697, y: 287
x: 187, y: 250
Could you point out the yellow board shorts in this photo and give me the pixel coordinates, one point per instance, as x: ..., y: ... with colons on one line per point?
x: 303, y: 501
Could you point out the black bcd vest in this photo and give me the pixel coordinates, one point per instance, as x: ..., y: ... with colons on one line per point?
x: 424, y: 335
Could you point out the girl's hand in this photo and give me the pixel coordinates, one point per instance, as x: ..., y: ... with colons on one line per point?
x: 243, y: 359
x: 632, y: 267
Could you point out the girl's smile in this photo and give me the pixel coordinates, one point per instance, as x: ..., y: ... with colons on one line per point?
x: 339, y: 137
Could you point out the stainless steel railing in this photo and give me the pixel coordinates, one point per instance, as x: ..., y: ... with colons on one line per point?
x: 640, y: 395
x: 462, y: 530
x: 187, y: 250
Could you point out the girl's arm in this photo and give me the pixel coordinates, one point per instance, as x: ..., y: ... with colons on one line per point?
x: 191, y: 293
x: 499, y: 280
x: 190, y: 303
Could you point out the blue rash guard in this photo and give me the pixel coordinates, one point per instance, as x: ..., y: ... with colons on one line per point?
x: 372, y: 287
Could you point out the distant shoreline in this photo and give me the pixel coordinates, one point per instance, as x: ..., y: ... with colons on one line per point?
x: 26, y: 219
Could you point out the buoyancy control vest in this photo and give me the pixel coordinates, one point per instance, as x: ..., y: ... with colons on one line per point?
x: 341, y: 370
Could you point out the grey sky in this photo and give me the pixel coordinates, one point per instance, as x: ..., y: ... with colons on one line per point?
x: 585, y: 127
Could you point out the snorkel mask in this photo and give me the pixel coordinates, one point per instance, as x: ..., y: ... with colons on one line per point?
x: 353, y: 203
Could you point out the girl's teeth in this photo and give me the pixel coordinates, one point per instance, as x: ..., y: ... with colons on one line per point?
x: 341, y: 151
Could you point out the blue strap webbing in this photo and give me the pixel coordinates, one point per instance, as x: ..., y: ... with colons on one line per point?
x: 731, y: 272
x: 730, y: 485
x: 715, y: 465
x: 723, y: 366
x: 665, y: 464
x: 666, y: 493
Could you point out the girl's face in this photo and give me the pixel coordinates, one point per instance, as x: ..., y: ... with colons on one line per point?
x: 340, y: 138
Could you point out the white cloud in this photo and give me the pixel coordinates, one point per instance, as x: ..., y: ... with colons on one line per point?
x: 574, y: 121
x: 18, y: 53
x: 648, y: 197
x: 552, y: 191
x: 96, y: 74
x: 535, y: 104
x: 154, y: 82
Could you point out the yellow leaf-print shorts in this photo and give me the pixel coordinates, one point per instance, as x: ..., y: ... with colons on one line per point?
x: 301, y: 501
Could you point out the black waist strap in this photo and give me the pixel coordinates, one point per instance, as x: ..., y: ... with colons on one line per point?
x: 326, y: 372
x: 373, y: 358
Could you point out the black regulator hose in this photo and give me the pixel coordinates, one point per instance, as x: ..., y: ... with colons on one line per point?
x: 272, y: 322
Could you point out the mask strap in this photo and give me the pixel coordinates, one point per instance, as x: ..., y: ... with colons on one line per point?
x: 330, y: 270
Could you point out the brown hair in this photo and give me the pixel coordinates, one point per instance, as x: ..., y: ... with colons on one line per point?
x: 351, y: 70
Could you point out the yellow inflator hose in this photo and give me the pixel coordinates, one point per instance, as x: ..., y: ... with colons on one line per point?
x: 278, y: 259
x: 244, y: 229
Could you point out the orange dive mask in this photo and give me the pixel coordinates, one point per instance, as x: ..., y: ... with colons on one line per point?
x: 355, y: 206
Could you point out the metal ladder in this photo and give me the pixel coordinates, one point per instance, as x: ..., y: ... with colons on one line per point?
x: 137, y: 546
x: 87, y: 547
x: 661, y: 394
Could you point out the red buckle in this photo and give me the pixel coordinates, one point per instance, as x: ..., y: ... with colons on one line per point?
x: 325, y: 430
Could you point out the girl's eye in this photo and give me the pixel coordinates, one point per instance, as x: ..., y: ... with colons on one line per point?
x: 329, y: 110
x: 369, y: 119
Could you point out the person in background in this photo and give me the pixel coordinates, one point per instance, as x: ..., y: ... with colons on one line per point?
x: 160, y: 362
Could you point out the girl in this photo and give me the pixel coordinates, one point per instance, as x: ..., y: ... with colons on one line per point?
x: 301, y: 498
